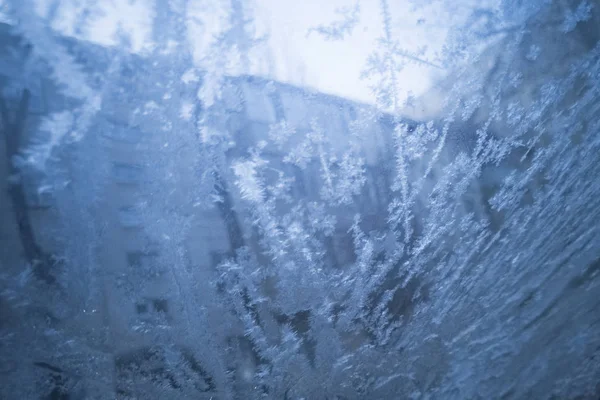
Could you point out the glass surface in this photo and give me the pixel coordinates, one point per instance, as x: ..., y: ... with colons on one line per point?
x: 278, y: 199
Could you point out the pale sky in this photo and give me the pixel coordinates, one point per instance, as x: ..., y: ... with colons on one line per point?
x: 291, y: 54
x: 335, y: 66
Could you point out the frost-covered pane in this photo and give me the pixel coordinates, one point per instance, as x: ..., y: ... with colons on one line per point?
x: 299, y: 200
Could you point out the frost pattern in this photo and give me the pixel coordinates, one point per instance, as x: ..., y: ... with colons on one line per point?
x: 193, y: 231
